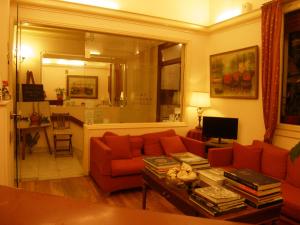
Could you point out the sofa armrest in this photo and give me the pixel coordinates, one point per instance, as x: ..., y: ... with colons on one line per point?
x: 220, y: 156
x: 194, y: 146
x: 100, y: 156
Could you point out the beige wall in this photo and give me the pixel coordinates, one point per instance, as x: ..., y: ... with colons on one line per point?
x: 4, y: 34
x: 42, y: 41
x: 248, y: 111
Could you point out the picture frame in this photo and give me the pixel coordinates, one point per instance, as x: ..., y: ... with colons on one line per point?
x: 82, y: 86
x: 234, y: 74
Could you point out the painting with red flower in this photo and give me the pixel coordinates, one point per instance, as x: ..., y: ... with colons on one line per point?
x: 234, y: 74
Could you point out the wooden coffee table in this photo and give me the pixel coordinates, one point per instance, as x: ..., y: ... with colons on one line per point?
x: 180, y: 199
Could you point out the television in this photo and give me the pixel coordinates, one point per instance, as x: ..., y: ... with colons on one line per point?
x: 220, y: 127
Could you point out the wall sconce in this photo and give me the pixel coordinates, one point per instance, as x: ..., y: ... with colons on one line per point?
x: 24, y: 52
x: 200, y: 100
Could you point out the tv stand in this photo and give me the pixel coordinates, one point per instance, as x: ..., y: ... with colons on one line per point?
x: 216, y: 144
x: 219, y: 141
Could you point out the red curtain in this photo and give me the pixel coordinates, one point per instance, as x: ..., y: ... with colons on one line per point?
x: 271, y: 37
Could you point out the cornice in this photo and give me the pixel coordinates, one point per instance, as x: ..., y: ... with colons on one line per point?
x: 115, y: 14
x: 139, y: 18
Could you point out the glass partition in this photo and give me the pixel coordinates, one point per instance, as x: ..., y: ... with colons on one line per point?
x: 114, y: 78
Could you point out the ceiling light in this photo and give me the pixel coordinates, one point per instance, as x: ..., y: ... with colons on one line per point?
x: 70, y: 62
x: 46, y: 61
x: 137, y: 52
x: 99, y: 3
x: 95, y: 52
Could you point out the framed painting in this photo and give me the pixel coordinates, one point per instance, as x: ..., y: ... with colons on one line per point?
x: 82, y: 86
x: 234, y: 74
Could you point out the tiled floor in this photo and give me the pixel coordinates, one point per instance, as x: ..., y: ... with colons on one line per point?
x: 43, y: 166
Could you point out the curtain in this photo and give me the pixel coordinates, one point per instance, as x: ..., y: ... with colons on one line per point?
x: 271, y: 37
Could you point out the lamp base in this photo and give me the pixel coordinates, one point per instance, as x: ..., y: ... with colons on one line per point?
x: 199, y: 123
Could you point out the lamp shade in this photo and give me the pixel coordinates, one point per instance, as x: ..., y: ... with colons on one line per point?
x: 200, y: 99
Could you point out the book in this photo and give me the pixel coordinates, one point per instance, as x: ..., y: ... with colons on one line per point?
x: 248, y: 190
x: 212, y: 176
x: 220, y: 206
x: 158, y: 174
x: 251, y: 197
x: 264, y: 204
x: 214, y: 211
x: 217, y: 194
x: 253, y: 179
x: 189, y: 158
x: 161, y: 161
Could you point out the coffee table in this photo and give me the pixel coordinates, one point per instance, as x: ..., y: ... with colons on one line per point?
x: 180, y: 199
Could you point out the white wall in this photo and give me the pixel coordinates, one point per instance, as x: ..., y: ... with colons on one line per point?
x: 41, y: 42
x: 249, y: 112
x: 56, y: 77
x: 220, y: 9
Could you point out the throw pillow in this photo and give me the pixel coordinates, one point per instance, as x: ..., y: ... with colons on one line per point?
x: 119, y: 145
x: 136, y: 145
x: 293, y: 175
x: 152, y: 144
x: 274, y: 161
x: 172, y: 145
x: 246, y: 157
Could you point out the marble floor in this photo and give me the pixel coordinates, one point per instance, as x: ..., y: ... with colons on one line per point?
x: 43, y: 166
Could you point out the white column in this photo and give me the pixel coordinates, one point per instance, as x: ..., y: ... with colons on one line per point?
x: 4, y: 34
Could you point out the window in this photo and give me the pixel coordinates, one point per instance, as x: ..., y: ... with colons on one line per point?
x: 290, y: 99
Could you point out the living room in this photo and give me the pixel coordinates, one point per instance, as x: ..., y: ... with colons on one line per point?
x: 201, y: 42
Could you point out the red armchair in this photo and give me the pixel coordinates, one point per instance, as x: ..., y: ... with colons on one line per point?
x: 114, y: 168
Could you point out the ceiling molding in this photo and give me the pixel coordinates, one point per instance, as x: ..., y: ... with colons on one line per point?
x: 139, y: 18
x: 117, y: 14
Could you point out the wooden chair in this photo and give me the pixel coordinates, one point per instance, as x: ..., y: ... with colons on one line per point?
x: 62, y: 134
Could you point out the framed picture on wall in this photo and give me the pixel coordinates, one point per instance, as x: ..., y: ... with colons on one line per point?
x: 234, y: 74
x: 82, y: 86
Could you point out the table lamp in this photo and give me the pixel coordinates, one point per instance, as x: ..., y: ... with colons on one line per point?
x: 200, y: 100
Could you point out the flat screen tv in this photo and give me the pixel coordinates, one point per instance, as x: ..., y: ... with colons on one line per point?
x: 220, y: 127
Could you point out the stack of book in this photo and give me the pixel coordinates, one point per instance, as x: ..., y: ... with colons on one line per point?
x: 159, y: 165
x: 195, y: 161
x: 217, y: 200
x: 213, y: 176
x: 259, y: 190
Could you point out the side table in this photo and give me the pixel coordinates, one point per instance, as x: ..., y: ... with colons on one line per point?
x: 196, y: 134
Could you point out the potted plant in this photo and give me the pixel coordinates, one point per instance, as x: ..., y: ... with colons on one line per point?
x: 60, y: 93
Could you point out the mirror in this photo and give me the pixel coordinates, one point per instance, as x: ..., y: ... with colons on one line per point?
x: 82, y: 79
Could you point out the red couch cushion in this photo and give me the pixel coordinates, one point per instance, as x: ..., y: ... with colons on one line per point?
x: 120, y: 146
x: 152, y: 144
x: 274, y: 161
x: 291, y: 196
x: 246, y: 157
x: 136, y: 145
x: 293, y: 172
x: 123, y: 167
x: 172, y: 145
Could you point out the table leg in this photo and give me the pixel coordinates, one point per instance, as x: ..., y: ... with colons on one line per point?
x: 47, y: 139
x: 144, y: 196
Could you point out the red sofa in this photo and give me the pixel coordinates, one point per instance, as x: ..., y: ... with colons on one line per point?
x: 116, y: 161
x: 270, y: 160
